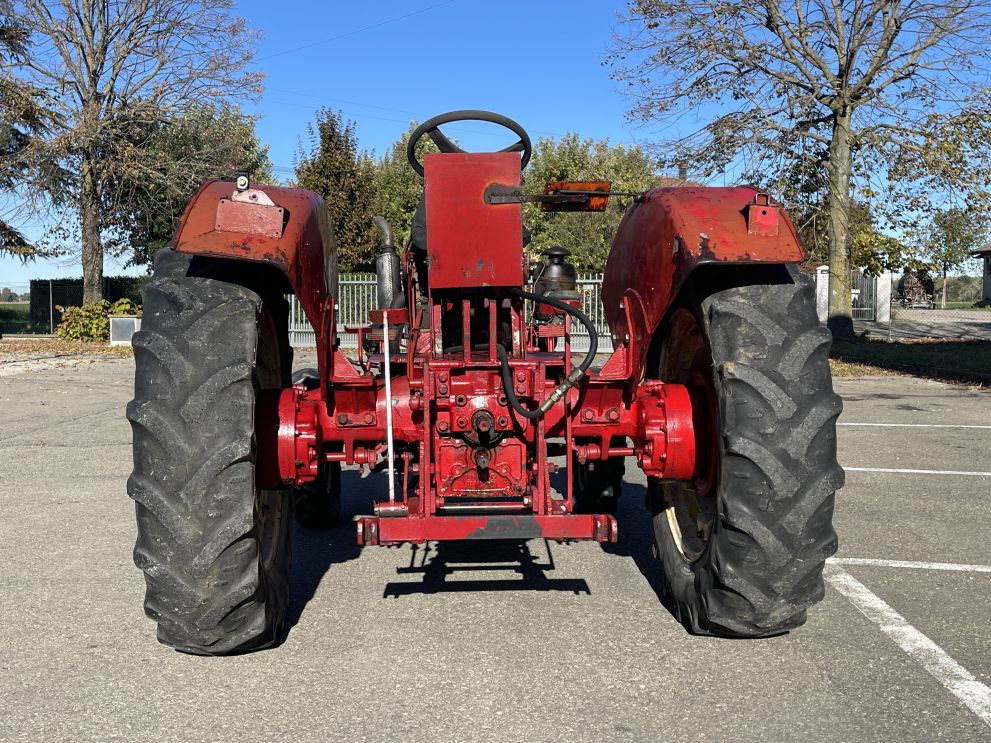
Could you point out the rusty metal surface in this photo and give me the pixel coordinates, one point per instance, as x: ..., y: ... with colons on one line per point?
x: 670, y: 231
x: 387, y: 530
x: 214, y: 224
x: 593, y: 204
x: 249, y: 219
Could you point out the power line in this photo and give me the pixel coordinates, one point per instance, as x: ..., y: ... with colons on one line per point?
x: 355, y: 31
x: 344, y: 100
x: 359, y: 116
x: 419, y: 114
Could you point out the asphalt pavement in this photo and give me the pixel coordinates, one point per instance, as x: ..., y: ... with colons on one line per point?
x: 498, y: 642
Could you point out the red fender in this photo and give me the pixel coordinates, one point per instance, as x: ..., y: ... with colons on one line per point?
x: 669, y: 232
x: 293, y: 234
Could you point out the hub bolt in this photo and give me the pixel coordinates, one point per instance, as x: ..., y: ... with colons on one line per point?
x: 443, y: 426
x: 343, y: 419
x: 442, y: 389
x: 482, y: 421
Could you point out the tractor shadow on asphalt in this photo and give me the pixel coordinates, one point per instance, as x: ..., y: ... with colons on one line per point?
x: 636, y: 541
x: 316, y: 551
x: 441, y: 560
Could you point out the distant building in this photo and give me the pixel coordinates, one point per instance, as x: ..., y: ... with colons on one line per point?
x: 985, y: 253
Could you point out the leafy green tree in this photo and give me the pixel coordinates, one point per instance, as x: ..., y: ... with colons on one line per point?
x: 953, y: 234
x: 588, y: 235
x: 344, y: 176
x: 398, y: 188
x: 888, y: 98
x: 176, y: 157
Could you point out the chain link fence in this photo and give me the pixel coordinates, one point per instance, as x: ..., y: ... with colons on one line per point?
x: 908, y: 306
x: 15, y: 309
x: 33, y: 308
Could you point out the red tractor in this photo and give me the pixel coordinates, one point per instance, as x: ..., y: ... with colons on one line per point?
x: 466, y: 394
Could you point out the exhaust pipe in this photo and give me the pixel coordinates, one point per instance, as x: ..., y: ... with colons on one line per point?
x: 388, y: 273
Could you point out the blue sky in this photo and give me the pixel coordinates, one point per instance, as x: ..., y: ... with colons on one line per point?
x: 387, y: 62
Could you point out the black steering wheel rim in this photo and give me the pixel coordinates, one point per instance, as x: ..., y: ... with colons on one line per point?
x: 430, y: 128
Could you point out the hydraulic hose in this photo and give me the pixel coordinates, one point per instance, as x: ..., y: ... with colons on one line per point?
x: 577, y: 373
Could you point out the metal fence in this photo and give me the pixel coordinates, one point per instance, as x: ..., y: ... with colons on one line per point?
x: 357, y: 297
x: 864, y: 295
x: 887, y: 307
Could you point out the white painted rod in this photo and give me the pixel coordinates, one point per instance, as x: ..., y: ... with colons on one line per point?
x: 388, y: 406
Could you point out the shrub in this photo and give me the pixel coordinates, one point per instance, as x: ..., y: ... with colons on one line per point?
x: 91, y: 322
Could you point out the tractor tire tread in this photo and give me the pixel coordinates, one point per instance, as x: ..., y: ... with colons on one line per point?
x: 762, y: 568
x: 193, y: 424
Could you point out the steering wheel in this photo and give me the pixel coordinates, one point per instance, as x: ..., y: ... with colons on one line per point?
x: 430, y: 128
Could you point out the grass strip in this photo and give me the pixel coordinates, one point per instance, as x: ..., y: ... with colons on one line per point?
x: 946, y: 359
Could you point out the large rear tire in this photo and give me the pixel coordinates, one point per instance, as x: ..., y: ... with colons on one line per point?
x: 743, y: 546
x: 213, y: 545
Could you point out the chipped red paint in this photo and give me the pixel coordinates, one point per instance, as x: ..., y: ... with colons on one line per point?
x: 668, y: 232
x: 393, y: 530
x: 470, y: 243
x: 214, y: 225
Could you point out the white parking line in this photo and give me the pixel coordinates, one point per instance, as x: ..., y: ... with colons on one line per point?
x: 917, y: 472
x: 957, y: 679
x: 910, y: 564
x: 912, y: 425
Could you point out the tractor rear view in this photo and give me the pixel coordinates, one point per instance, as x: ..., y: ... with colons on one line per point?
x: 466, y: 394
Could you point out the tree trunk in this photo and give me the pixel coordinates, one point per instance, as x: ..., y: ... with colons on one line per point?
x: 942, y: 300
x: 840, y: 162
x: 89, y: 213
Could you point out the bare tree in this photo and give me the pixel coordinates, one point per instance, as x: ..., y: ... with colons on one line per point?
x: 888, y: 97
x: 115, y: 69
